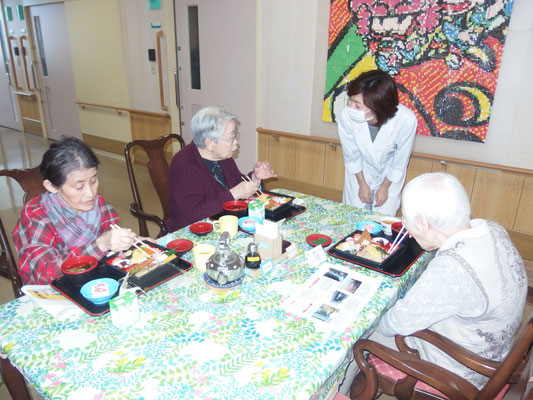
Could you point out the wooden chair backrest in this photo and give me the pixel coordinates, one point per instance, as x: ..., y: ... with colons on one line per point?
x: 157, y: 167
x: 31, y: 181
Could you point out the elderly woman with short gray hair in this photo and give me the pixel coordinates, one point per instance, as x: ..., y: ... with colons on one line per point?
x: 69, y: 219
x: 203, y: 175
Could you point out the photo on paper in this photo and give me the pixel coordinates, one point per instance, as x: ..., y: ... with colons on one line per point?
x: 336, y: 274
x: 338, y: 297
x: 325, y: 312
x: 351, y: 285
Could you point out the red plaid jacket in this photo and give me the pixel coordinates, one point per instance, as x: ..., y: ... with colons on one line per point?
x: 40, y: 248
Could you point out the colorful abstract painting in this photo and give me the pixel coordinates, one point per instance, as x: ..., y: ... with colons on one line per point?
x: 445, y: 56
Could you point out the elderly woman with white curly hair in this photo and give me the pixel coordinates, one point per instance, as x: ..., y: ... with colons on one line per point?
x: 203, y: 175
x: 473, y: 291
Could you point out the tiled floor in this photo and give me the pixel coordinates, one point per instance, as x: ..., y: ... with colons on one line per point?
x: 19, y: 150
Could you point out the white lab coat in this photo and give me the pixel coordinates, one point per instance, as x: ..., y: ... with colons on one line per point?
x: 386, y: 157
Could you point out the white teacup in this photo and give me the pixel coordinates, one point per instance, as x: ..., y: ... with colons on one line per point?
x: 386, y: 223
x: 227, y: 223
x: 201, y: 253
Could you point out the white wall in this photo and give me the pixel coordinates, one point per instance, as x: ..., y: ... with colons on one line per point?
x: 293, y: 37
x: 287, y: 52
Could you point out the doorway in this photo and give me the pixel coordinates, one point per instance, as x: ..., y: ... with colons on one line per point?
x: 216, y: 59
x: 54, y: 70
x: 8, y: 108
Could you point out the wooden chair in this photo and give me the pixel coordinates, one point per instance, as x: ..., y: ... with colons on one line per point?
x: 413, y: 378
x: 158, y: 169
x: 31, y: 182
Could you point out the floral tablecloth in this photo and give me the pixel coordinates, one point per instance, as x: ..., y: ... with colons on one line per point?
x: 196, y: 343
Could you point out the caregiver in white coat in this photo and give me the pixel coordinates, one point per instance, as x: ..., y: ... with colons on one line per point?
x: 377, y: 137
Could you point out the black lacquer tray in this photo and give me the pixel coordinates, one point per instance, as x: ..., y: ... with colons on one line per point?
x: 396, y: 264
x: 152, y: 279
x: 159, y: 275
x: 71, y: 290
x: 289, y: 213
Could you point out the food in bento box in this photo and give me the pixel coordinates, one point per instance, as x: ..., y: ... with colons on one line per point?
x: 272, y: 202
x: 138, y: 263
x: 374, y: 252
x: 364, y: 246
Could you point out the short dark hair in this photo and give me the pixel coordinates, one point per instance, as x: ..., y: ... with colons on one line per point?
x: 64, y: 156
x: 379, y: 91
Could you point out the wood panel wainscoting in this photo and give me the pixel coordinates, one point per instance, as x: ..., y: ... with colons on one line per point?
x: 145, y: 125
x: 315, y: 165
x: 30, y: 117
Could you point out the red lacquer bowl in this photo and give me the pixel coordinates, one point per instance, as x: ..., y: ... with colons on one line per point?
x: 396, y: 227
x: 80, y: 269
x: 235, y: 205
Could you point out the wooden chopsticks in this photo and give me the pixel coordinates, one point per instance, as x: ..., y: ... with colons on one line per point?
x: 115, y: 226
x: 397, y: 242
x: 249, y: 180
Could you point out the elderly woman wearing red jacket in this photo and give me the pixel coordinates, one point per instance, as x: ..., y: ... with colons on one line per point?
x: 69, y: 219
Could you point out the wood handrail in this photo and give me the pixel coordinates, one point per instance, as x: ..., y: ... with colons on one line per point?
x: 478, y: 164
x: 299, y: 136
x: 118, y: 108
x: 158, y: 36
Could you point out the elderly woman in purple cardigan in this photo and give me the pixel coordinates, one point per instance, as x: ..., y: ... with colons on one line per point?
x: 203, y: 175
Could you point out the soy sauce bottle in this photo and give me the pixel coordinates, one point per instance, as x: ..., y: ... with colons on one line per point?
x: 252, y: 260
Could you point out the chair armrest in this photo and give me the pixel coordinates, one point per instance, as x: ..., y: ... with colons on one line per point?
x: 143, y: 216
x: 452, y: 385
x: 473, y: 361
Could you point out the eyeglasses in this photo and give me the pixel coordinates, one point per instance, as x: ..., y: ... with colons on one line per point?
x: 234, y: 138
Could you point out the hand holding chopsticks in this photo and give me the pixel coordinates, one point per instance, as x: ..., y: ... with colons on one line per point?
x: 247, y: 179
x: 137, y: 240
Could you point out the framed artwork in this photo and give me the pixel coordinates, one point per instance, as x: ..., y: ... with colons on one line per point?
x: 444, y: 55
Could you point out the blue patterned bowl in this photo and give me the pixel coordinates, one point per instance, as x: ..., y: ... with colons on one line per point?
x: 373, y: 227
x: 100, y: 290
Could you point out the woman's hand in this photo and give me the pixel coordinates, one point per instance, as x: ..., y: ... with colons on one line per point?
x: 262, y: 170
x: 116, y: 239
x: 365, y: 194
x: 382, y: 194
x: 244, y: 190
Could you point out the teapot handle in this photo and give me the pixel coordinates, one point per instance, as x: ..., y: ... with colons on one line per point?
x: 223, y: 242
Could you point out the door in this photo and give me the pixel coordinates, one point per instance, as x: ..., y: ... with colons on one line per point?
x: 8, y: 109
x: 54, y: 70
x: 216, y: 42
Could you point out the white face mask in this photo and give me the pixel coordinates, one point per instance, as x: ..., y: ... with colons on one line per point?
x: 358, y: 115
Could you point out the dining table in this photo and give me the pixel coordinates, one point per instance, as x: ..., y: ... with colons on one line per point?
x: 194, y: 342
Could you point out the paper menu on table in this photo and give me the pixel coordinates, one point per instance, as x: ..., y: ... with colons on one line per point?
x: 52, y: 301
x: 333, y: 295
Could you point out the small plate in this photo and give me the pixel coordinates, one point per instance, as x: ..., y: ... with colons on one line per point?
x: 201, y: 228
x: 180, y: 245
x: 318, y: 239
x: 366, y: 224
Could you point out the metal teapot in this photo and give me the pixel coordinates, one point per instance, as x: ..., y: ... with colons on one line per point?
x: 224, y: 266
